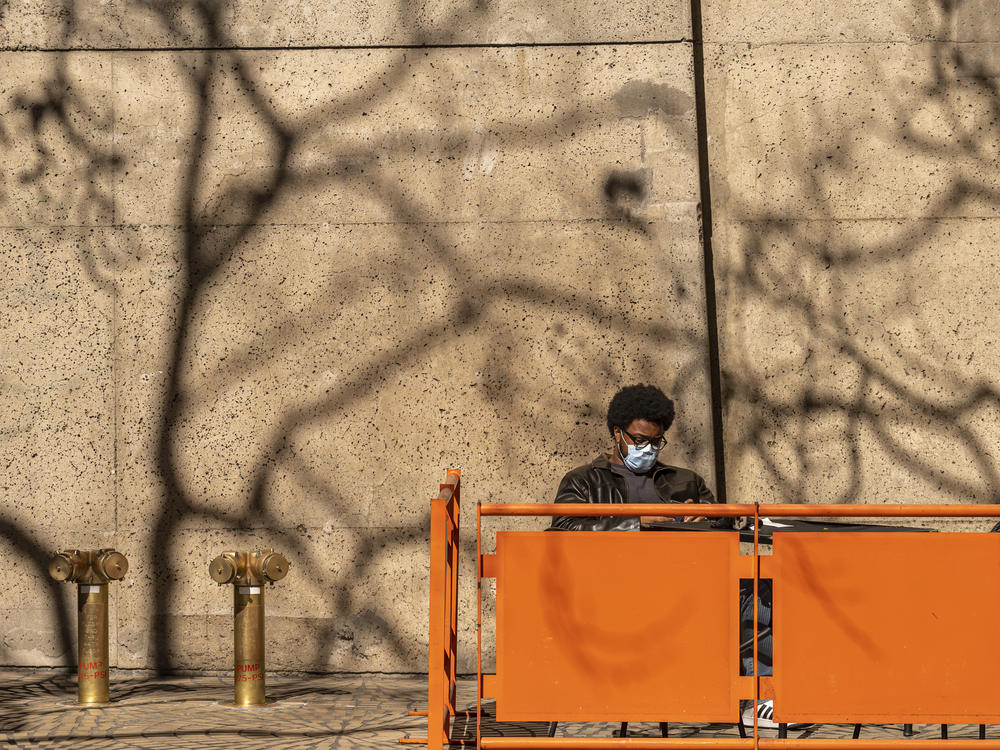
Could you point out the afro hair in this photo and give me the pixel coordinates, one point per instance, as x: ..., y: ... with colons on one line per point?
x: 640, y: 402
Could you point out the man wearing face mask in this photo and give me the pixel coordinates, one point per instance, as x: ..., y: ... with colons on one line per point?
x: 638, y: 417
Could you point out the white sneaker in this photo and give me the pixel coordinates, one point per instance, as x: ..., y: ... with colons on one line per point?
x: 765, y: 716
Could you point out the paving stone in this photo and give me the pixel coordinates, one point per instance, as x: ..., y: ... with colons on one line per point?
x: 309, y: 711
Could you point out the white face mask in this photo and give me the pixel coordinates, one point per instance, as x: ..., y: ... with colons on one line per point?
x: 639, y: 460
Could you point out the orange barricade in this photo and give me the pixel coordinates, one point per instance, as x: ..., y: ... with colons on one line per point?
x: 888, y: 627
x: 621, y: 627
x: 885, y: 627
x: 443, y: 633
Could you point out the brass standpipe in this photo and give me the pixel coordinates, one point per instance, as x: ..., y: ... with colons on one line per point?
x: 248, y: 572
x: 91, y: 570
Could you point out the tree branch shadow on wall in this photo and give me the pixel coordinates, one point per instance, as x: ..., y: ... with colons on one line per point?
x: 223, y: 212
x: 846, y: 395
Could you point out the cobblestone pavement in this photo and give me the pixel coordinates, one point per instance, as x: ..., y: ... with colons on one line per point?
x: 310, y: 711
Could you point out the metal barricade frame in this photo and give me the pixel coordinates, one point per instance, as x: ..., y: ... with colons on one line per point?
x: 443, y: 615
x: 485, y: 568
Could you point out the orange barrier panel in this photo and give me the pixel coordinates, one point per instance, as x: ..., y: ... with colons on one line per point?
x: 728, y: 743
x: 849, y: 611
x: 888, y: 627
x: 612, y: 743
x: 617, y: 627
x: 768, y: 743
x: 442, y: 661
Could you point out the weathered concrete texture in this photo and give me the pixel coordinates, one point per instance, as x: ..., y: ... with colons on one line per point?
x: 387, y: 135
x: 353, y: 601
x: 853, y: 131
x: 869, y: 378
x: 763, y: 22
x: 56, y: 347
x: 856, y: 199
x: 264, y: 298
x: 55, y: 114
x: 319, y: 278
x: 121, y: 24
x: 33, y: 632
x: 379, y: 383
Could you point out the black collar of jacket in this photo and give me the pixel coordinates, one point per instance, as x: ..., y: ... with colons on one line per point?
x: 673, y: 484
x: 604, y: 462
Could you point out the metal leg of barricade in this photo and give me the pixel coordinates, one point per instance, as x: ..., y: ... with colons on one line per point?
x: 857, y: 732
x: 944, y: 731
x: 782, y: 731
x: 741, y: 729
x: 623, y: 730
x: 552, y: 728
x: 982, y: 731
x: 907, y: 730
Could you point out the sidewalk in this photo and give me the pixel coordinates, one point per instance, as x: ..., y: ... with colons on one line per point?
x: 311, y: 711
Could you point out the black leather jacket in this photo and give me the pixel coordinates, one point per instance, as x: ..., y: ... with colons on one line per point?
x: 597, y: 482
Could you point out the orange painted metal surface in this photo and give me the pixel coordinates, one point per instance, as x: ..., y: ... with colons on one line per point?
x: 480, y: 680
x: 617, y: 626
x: 880, y: 511
x: 732, y: 510
x: 443, y: 632
x: 617, y: 509
x: 612, y: 743
x: 729, y: 743
x: 770, y: 743
x: 888, y: 627
x: 849, y: 615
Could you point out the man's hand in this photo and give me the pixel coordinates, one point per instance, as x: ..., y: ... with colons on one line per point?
x: 692, y: 518
x: 653, y: 519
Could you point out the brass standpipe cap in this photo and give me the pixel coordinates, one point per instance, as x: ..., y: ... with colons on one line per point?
x: 111, y: 564
x: 94, y: 566
x: 249, y: 568
x: 274, y: 566
x: 65, y: 566
x: 223, y: 569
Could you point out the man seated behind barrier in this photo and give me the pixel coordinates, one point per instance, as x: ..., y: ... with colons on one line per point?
x: 638, y: 417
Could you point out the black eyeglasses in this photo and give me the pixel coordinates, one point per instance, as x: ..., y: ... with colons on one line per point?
x: 641, y: 441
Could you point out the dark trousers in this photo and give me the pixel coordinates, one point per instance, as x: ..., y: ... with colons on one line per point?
x: 763, y: 627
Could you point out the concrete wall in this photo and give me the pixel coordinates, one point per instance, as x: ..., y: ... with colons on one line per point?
x: 269, y: 268
x: 855, y: 184
x: 264, y: 297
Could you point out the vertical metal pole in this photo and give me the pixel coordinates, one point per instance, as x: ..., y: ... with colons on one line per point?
x: 438, y: 725
x: 479, y: 625
x: 92, y: 643
x: 248, y: 644
x: 756, y: 593
x: 453, y: 544
x: 705, y: 227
